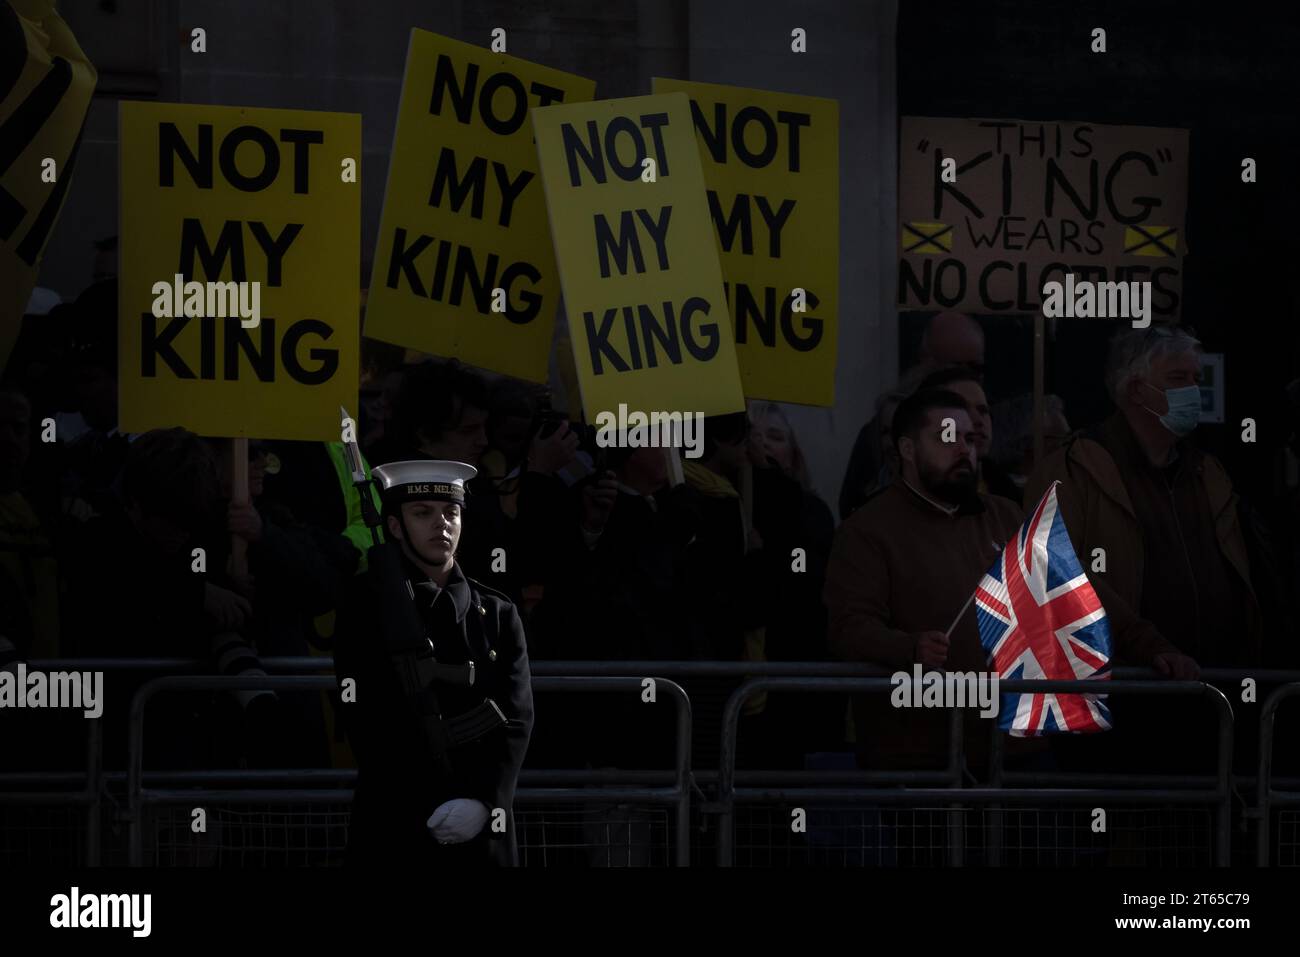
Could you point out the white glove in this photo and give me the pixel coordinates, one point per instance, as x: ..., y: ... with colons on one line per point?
x: 457, y: 821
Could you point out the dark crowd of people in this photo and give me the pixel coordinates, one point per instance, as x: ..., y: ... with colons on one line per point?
x: 118, y: 546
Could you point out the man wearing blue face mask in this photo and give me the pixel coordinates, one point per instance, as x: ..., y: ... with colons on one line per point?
x: 1177, y: 581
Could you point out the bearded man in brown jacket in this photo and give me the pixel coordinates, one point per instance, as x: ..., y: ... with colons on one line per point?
x: 901, y: 569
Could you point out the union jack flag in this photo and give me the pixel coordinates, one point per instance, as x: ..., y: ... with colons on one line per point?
x: 1039, y: 617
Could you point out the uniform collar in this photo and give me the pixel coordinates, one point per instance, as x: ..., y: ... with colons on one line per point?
x: 429, y: 593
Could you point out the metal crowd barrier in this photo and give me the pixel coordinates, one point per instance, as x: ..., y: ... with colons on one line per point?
x: 951, y: 790
x: 1268, y: 796
x: 676, y: 797
x: 672, y: 789
x: 88, y: 798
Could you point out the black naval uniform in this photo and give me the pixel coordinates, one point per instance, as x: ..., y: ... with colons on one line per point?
x: 399, y: 783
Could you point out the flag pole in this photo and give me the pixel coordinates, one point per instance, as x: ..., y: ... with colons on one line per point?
x: 363, y: 485
x: 948, y: 633
x: 971, y: 598
x: 1001, y: 549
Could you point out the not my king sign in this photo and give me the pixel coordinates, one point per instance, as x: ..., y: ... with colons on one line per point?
x: 265, y: 203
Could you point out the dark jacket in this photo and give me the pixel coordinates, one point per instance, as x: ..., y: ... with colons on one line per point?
x: 124, y: 599
x: 792, y: 724
x: 312, y: 480
x: 620, y: 597
x: 1099, y: 513
x: 400, y: 783
x: 863, y: 470
x: 543, y: 510
x: 298, y: 573
x: 737, y: 589
x: 900, y: 566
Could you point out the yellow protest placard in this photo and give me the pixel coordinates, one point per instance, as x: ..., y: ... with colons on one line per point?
x: 239, y: 299
x: 642, y: 285
x: 771, y: 164
x: 463, y: 263
x: 45, y: 87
